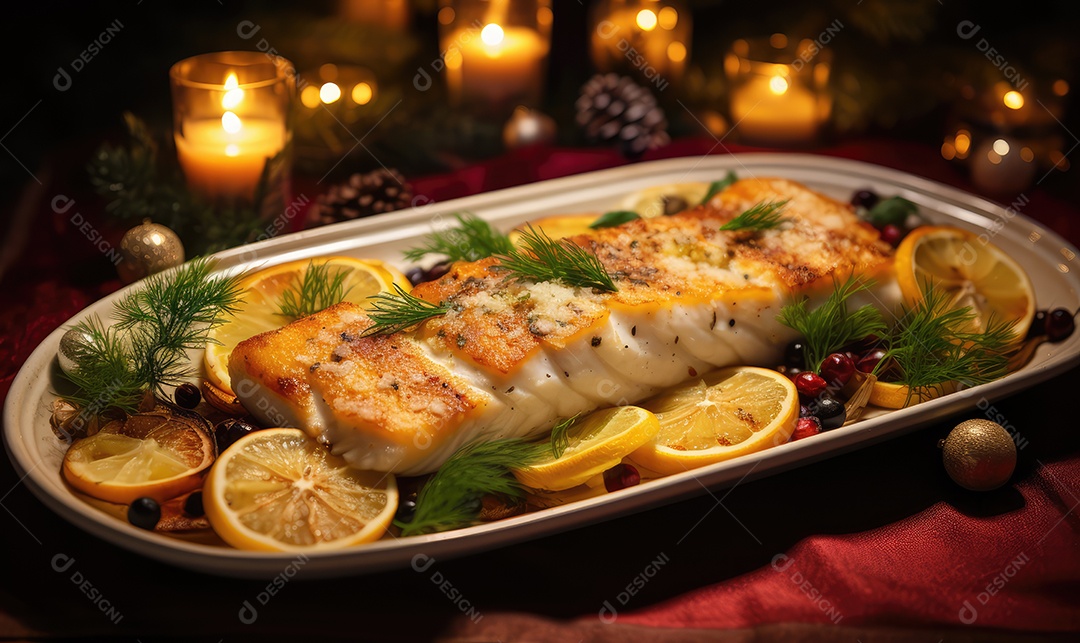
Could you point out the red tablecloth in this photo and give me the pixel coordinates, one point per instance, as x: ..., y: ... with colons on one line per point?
x: 873, y: 545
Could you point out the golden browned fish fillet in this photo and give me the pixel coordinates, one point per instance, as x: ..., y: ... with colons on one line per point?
x: 512, y: 358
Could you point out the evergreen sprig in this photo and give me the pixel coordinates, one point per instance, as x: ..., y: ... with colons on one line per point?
x: 392, y: 312
x: 542, y: 258
x: 473, y: 239
x: 831, y: 325
x: 317, y: 289
x: 760, y: 216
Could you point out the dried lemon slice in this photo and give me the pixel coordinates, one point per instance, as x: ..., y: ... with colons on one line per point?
x: 280, y: 490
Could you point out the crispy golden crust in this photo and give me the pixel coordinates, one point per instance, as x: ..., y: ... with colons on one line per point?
x: 378, y: 381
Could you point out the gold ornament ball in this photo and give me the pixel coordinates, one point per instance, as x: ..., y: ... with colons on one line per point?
x: 528, y: 127
x: 148, y: 248
x: 979, y: 455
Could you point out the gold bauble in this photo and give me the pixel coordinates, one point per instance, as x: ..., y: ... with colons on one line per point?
x: 148, y: 248
x: 528, y: 127
x: 979, y: 455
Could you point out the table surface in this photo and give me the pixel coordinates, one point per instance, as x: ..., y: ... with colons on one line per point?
x: 873, y: 545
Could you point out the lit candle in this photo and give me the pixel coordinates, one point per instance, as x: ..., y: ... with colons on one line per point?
x: 770, y: 108
x: 226, y: 130
x: 498, y: 58
x: 773, y: 101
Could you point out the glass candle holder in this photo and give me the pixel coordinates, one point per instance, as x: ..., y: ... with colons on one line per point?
x: 648, y: 39
x: 232, y: 121
x: 778, y: 90
x: 495, y: 52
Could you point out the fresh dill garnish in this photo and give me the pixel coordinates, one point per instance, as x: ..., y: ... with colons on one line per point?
x: 614, y: 218
x: 760, y: 216
x: 933, y: 344
x: 560, y: 436
x: 146, y: 348
x: 545, y: 259
x: 452, y: 497
x: 718, y: 186
x: 316, y: 290
x: 472, y: 240
x: 398, y: 311
x: 831, y: 325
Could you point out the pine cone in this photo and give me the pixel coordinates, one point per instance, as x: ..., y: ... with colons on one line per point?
x: 362, y: 196
x: 614, y: 108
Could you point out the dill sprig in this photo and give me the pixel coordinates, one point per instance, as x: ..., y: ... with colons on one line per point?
x: 831, y: 326
x: 172, y: 313
x: 717, y: 187
x: 452, y: 497
x: 316, y: 290
x: 390, y: 313
x: 106, y: 376
x: 545, y: 259
x: 932, y: 345
x: 146, y: 348
x: 760, y: 216
x: 560, y: 436
x: 472, y: 240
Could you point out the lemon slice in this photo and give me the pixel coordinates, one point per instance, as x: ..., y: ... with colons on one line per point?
x: 726, y: 414
x: 663, y: 199
x: 597, y: 442
x: 280, y: 490
x: 147, y: 455
x: 973, y: 272
x: 559, y: 226
x: 258, y: 311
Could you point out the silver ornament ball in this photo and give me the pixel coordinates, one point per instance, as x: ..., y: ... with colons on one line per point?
x: 528, y: 127
x: 72, y: 344
x: 146, y: 249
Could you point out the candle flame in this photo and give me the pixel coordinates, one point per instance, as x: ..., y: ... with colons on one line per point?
x: 778, y: 85
x: 492, y: 35
x: 646, y: 20
x: 231, y: 122
x: 233, y: 93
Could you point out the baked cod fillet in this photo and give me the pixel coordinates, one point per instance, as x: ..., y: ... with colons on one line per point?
x: 510, y: 359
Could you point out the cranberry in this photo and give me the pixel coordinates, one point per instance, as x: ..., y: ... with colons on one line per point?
x: 865, y: 199
x: 837, y: 368
x: 806, y: 427
x: 869, y: 362
x: 892, y: 234
x: 1059, y: 324
x: 809, y: 384
x: 621, y: 476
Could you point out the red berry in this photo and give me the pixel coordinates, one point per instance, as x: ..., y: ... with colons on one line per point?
x: 810, y: 384
x: 621, y: 476
x: 837, y: 369
x: 892, y: 234
x: 870, y: 361
x: 806, y: 427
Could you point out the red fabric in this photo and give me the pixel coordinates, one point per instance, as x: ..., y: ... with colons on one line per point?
x: 877, y: 538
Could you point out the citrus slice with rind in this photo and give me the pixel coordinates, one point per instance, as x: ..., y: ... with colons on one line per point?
x: 726, y: 414
x: 280, y: 490
x: 972, y: 271
x: 596, y: 443
x: 662, y: 199
x: 146, y: 455
x: 259, y: 310
x: 558, y: 226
